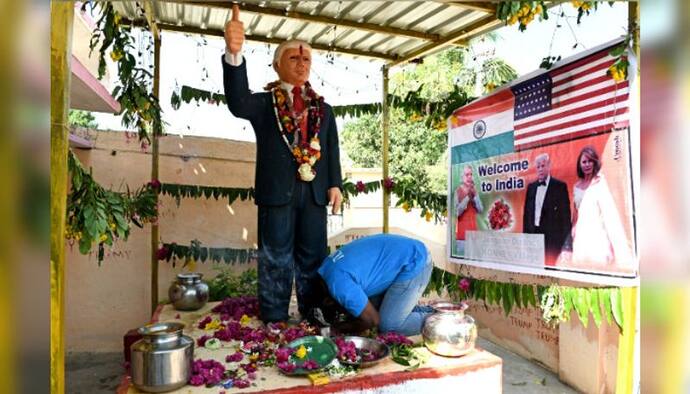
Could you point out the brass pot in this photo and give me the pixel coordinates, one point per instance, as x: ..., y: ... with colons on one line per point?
x: 449, y: 332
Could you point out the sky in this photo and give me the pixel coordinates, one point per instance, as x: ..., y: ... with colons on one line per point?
x: 196, y: 61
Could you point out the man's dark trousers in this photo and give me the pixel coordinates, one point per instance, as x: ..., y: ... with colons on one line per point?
x: 284, y: 254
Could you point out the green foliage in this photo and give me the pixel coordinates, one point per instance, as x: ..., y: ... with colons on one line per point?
x: 410, y: 195
x: 524, y: 11
x: 196, y: 191
x: 556, y: 302
x: 521, y: 11
x: 438, y: 175
x: 549, y: 61
x: 97, y: 215
x: 361, y: 139
x: 408, y: 356
x: 229, y: 284
x: 140, y: 108
x: 491, y: 74
x: 413, y: 146
x: 195, y: 251
x: 619, y: 69
x: 82, y: 119
x: 423, y: 98
x: 432, y: 80
x: 188, y: 93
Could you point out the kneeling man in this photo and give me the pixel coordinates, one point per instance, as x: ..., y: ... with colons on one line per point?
x: 378, y: 280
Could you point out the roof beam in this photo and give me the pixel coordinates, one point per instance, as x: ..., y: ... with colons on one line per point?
x: 485, y: 23
x: 425, y: 16
x: 489, y: 8
x: 403, y: 12
x: 253, y: 8
x: 275, y: 40
x: 345, y: 10
x: 151, y: 19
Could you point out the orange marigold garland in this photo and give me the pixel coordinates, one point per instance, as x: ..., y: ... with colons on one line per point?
x: 306, y: 152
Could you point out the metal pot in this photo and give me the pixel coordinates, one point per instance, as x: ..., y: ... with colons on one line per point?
x: 449, y: 332
x: 189, y: 292
x: 162, y: 359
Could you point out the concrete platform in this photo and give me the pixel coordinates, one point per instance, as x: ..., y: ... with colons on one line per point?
x: 95, y: 373
x: 101, y: 373
x: 479, y: 371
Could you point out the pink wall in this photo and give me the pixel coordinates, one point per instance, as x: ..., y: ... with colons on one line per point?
x: 102, y: 303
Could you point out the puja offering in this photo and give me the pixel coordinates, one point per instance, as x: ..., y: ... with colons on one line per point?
x: 360, y: 351
x: 306, y: 355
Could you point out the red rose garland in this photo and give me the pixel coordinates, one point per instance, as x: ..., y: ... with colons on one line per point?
x: 500, y: 216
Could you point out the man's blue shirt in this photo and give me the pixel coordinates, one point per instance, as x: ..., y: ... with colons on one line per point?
x: 367, y: 266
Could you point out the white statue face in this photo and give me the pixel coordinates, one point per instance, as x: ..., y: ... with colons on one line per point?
x: 294, y: 66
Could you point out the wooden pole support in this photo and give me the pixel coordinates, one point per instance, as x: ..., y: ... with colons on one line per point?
x: 61, y: 18
x: 155, y: 158
x: 386, y: 143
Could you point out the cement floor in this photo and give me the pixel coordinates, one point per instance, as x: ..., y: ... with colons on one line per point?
x: 96, y: 373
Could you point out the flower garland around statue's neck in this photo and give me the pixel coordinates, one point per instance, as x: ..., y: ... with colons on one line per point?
x: 305, y: 151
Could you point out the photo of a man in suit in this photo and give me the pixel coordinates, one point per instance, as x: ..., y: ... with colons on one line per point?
x: 297, y: 171
x: 547, y: 209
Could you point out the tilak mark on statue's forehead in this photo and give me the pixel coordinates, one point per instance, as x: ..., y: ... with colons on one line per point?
x: 301, y: 50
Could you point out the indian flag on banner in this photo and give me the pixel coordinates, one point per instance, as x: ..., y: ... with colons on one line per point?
x: 483, y: 128
x: 575, y: 99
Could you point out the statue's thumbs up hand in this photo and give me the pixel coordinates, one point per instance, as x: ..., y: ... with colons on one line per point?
x: 234, y: 31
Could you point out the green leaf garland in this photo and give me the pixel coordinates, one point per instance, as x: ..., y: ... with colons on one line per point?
x: 555, y: 301
x: 195, y: 251
x: 140, y: 107
x: 99, y: 216
x: 179, y: 191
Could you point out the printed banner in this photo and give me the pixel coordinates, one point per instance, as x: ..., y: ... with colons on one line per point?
x: 541, y: 173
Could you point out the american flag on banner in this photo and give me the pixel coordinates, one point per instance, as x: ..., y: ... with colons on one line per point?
x: 571, y: 101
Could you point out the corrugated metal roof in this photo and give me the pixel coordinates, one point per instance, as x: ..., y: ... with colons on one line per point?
x: 395, y: 31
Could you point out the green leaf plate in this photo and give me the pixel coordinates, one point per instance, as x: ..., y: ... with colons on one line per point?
x: 323, y: 351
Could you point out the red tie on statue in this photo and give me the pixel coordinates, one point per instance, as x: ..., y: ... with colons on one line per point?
x: 298, y: 106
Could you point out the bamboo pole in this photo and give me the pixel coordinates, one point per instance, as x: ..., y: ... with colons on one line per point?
x: 62, y: 16
x: 9, y: 201
x: 628, y: 344
x: 155, y: 159
x: 386, y: 143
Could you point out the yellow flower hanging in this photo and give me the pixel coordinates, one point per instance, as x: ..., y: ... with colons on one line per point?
x: 116, y: 55
x: 428, y: 215
x: 618, y: 74
x: 406, y: 207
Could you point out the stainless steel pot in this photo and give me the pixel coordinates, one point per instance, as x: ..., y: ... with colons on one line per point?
x: 189, y: 292
x: 449, y: 332
x: 162, y: 359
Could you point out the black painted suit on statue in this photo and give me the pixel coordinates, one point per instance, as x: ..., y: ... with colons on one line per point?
x: 292, y: 213
x: 555, y: 221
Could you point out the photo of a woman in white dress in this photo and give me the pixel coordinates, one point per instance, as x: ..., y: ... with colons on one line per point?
x: 598, y: 238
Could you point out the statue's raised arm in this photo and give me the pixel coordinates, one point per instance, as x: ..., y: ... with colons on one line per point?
x: 234, y: 32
